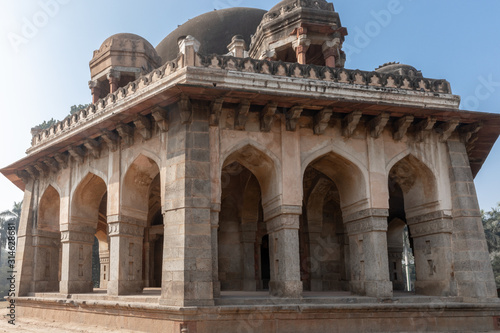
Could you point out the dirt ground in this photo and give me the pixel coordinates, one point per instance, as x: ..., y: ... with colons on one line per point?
x: 40, y: 326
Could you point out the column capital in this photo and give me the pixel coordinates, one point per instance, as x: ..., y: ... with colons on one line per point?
x: 120, y: 228
x: 438, y: 222
x: 367, y: 220
x: 283, y: 221
x: 72, y: 236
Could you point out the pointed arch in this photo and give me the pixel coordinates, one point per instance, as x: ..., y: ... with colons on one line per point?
x: 49, y: 210
x: 136, y: 182
x: 86, y: 200
x: 348, y: 174
x: 263, y: 164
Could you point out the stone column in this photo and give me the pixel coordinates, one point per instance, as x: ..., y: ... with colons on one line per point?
x: 237, y: 46
x: 188, y: 237
x: 114, y: 80
x: 25, y: 253
x: 46, y: 263
x: 76, y: 270
x: 396, y: 268
x: 125, y: 243
x: 104, y: 263
x: 248, y: 231
x: 214, y: 223
x: 301, y: 45
x: 316, y: 256
x: 367, y: 230
x: 284, y: 256
x: 471, y: 263
x: 148, y: 261
x: 330, y: 52
x: 95, y: 91
x: 431, y: 235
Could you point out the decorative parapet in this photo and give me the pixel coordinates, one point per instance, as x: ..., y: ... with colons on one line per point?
x: 249, y: 65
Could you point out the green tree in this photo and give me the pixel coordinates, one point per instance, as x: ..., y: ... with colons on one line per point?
x: 7, y: 218
x: 75, y: 108
x: 491, y: 224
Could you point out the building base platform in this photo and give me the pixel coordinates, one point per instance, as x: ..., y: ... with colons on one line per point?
x: 257, y: 312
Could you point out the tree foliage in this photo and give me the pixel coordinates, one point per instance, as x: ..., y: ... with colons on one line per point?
x: 491, y: 224
x: 47, y: 124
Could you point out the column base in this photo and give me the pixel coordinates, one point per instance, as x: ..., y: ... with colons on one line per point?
x: 75, y: 287
x: 116, y: 288
x: 372, y: 288
x: 286, y: 289
x: 433, y: 288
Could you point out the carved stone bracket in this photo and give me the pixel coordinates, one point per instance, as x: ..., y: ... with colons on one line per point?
x: 186, y: 109
x: 215, y: 111
x: 32, y: 172
x: 62, y: 159
x: 144, y: 126
x: 94, y: 147
x: 350, y: 122
x: 377, y: 124
x: 111, y: 139
x: 52, y: 164
x: 267, y: 116
x: 401, y: 127
x: 321, y: 120
x: 292, y: 117
x: 77, y: 153
x: 422, y: 126
x: 467, y: 131
x: 241, y: 116
x: 447, y: 129
x: 42, y: 169
x: 126, y: 133
x: 160, y: 115
x: 23, y: 175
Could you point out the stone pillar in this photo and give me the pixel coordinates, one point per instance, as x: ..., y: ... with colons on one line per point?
x: 104, y: 263
x: 431, y: 234
x: 46, y: 263
x: 187, y: 260
x: 114, y: 80
x: 316, y: 252
x: 249, y: 230
x: 189, y: 47
x: 471, y: 263
x: 125, y: 243
x: 301, y: 45
x: 396, y: 268
x: 367, y: 230
x: 331, y: 52
x: 149, y: 254
x: 95, y: 91
x: 237, y: 46
x: 284, y: 256
x: 76, y: 270
x: 214, y: 222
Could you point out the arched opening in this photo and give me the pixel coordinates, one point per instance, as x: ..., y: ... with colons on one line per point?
x: 87, y: 223
x: 331, y: 259
x: 153, y: 239
x: 242, y: 251
x: 323, y: 241
x: 140, y: 209
x: 417, y: 241
x: 47, y: 236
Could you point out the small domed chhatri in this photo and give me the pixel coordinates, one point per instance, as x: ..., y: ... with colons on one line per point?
x: 238, y: 178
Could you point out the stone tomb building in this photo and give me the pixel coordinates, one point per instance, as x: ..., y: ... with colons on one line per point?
x: 238, y: 178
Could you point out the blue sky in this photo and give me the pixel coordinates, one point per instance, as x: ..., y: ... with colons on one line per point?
x: 45, y: 69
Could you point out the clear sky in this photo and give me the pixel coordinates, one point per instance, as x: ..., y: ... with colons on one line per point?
x: 46, y: 45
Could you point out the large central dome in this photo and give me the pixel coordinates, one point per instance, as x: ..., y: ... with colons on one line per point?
x: 214, y: 30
